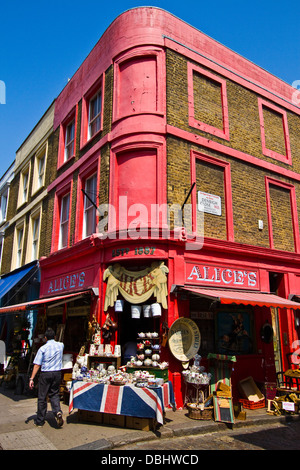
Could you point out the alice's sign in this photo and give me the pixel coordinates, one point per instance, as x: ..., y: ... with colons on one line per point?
x: 136, y: 286
x: 220, y: 276
x: 66, y: 283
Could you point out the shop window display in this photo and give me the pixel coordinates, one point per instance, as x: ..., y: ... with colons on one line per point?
x: 223, y: 331
x: 234, y: 332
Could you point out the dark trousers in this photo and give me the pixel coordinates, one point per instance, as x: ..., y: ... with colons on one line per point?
x: 49, y: 383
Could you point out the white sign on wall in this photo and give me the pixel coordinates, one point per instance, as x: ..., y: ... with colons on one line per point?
x: 209, y: 203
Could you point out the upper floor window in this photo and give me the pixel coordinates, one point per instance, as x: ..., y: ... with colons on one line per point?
x: 20, y: 234
x: 212, y: 214
x: 138, y: 83
x: 33, y: 241
x: 94, y: 114
x: 17, y: 254
x: 274, y: 132
x: 208, y: 107
x: 69, y: 140
x: 35, y: 237
x: 64, y: 221
x: 24, y: 185
x: 89, y: 219
x: 39, y: 170
x: 3, y: 206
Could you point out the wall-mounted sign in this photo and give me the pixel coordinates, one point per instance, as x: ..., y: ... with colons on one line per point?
x: 184, y: 339
x: 68, y: 282
x: 209, y: 203
x: 221, y: 276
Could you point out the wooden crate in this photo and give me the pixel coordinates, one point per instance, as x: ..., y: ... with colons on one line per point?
x: 90, y: 416
x: 113, y: 420
x: 67, y: 376
x: 143, y: 424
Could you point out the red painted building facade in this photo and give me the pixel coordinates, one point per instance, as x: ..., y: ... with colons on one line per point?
x: 133, y: 140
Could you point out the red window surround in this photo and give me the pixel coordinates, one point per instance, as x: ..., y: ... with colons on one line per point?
x: 270, y: 181
x: 97, y: 87
x: 227, y: 190
x: 137, y: 158
x: 60, y: 193
x: 72, y: 116
x: 287, y: 158
x: 139, y: 83
x: 223, y: 133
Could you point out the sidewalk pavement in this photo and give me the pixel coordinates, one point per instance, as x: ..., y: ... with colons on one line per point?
x: 18, y: 432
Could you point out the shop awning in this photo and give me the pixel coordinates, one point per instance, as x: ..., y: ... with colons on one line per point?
x: 244, y: 298
x: 9, y: 281
x: 35, y: 304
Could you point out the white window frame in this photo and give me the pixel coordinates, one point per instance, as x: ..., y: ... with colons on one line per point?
x: 3, y: 205
x: 97, y: 97
x: 69, y: 140
x: 39, y: 169
x: 64, y: 222
x: 88, y: 206
x: 18, y: 246
x: 33, y: 243
x: 24, y: 185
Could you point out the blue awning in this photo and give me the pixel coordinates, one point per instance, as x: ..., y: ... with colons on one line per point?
x: 8, y: 281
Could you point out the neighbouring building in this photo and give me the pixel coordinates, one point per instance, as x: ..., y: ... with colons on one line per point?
x: 24, y: 232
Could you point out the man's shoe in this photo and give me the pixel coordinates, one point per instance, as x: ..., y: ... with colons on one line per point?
x: 38, y: 425
x: 59, y: 419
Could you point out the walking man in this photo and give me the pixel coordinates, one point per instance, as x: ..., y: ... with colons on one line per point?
x: 49, y: 361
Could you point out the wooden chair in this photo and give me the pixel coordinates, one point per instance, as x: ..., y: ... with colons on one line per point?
x: 286, y: 384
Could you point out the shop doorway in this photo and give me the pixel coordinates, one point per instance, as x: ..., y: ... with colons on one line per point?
x: 275, y: 280
x: 130, y: 327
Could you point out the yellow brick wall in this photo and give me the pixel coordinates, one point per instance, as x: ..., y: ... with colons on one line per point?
x: 281, y: 219
x: 248, y: 181
x: 207, y: 101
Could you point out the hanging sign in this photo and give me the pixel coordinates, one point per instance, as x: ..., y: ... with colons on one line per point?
x: 184, y: 339
x: 136, y: 286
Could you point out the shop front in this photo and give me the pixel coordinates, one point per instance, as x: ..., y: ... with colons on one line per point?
x: 70, y: 289
x: 237, y: 316
x: 116, y: 304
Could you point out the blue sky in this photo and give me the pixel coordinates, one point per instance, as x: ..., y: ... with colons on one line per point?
x: 42, y: 44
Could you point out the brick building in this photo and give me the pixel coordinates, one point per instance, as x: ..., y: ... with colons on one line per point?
x: 164, y: 117
x: 24, y: 227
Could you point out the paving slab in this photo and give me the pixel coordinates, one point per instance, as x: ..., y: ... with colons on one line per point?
x: 17, y: 430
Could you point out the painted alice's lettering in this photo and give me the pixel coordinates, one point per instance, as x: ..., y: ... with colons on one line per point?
x: 72, y: 281
x: 215, y: 275
x: 136, y: 286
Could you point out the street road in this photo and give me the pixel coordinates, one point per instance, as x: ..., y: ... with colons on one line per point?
x: 272, y: 437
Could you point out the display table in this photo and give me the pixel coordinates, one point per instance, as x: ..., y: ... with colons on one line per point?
x: 127, y: 400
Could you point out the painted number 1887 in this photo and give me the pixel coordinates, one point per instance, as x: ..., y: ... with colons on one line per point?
x: 144, y: 251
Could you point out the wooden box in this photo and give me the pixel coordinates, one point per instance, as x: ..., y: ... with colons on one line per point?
x: 113, y: 420
x: 143, y: 424
x: 90, y: 416
x: 249, y: 390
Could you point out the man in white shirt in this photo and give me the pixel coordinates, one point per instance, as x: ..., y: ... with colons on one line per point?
x: 49, y: 361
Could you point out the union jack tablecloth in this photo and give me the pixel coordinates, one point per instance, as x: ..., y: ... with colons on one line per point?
x: 126, y: 400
